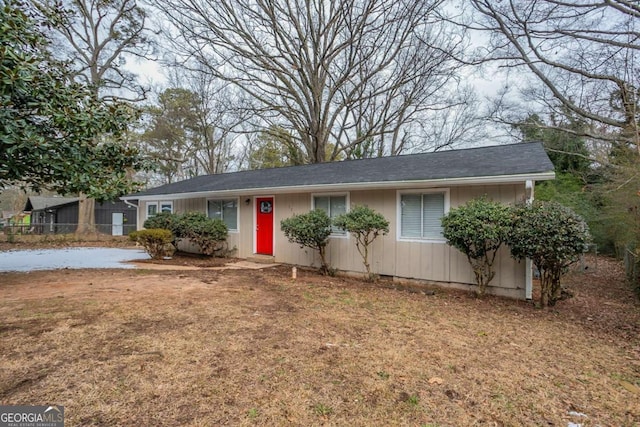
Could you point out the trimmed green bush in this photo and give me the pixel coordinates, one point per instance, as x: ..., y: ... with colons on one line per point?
x: 553, y: 237
x: 156, y: 241
x: 478, y: 229
x: 165, y: 220
x: 310, y: 230
x: 365, y: 224
x: 209, y: 234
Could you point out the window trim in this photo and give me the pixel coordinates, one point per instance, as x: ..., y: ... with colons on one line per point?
x: 157, y: 204
x: 237, y: 200
x: 347, y: 202
x: 165, y: 202
x: 447, y: 206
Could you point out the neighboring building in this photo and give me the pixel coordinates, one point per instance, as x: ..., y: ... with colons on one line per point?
x: 60, y: 215
x: 17, y: 220
x: 412, y: 191
x: 5, y: 217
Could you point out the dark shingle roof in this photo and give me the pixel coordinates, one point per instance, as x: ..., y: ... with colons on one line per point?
x: 499, y: 160
x: 36, y: 203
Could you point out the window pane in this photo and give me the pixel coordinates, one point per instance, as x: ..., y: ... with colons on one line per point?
x: 152, y: 209
x: 333, y: 206
x: 166, y: 207
x: 214, y: 209
x: 433, y: 211
x: 321, y: 203
x: 337, y: 205
x: 230, y: 214
x: 410, y: 215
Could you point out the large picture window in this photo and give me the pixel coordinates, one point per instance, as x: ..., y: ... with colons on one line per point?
x: 226, y: 210
x: 333, y: 205
x: 421, y: 214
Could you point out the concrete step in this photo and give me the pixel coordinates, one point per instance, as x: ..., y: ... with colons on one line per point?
x: 262, y: 259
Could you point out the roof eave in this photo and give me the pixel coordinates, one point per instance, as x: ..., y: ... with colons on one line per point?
x: 481, y: 180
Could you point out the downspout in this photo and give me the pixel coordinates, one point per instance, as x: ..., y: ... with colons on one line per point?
x: 128, y: 203
x: 528, y: 269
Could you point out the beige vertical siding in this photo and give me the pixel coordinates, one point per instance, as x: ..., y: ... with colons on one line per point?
x: 190, y: 205
x: 510, y: 274
x: 285, y: 206
x: 244, y: 237
x: 432, y: 261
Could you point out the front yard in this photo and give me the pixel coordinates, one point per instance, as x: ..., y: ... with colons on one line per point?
x: 203, y: 348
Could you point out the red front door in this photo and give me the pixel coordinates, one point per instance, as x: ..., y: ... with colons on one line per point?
x: 264, y: 225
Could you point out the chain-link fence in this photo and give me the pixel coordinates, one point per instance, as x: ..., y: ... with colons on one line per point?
x: 60, y: 228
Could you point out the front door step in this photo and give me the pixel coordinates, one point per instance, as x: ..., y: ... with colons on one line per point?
x: 262, y: 259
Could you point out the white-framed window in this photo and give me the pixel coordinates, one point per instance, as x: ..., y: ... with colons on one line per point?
x: 153, y: 208
x: 226, y: 210
x: 334, y: 205
x: 420, y: 214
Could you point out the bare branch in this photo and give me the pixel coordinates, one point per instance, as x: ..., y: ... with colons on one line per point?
x: 337, y: 73
x: 584, y: 53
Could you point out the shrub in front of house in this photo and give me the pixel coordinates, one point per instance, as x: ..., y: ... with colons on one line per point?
x: 553, y: 237
x: 310, y: 230
x: 210, y: 235
x: 478, y: 229
x: 165, y: 220
x: 155, y: 241
x: 365, y: 224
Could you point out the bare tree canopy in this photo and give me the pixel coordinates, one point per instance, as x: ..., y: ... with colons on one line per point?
x: 190, y: 130
x: 585, y: 54
x: 98, y: 37
x: 333, y: 73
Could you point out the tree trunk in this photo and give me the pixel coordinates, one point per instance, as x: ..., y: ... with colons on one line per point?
x: 545, y: 288
x: 86, y: 215
x: 555, y: 292
x: 483, y: 272
x: 480, y: 280
x: 324, y: 268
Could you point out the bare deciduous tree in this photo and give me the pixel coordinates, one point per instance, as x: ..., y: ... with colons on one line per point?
x: 335, y: 74
x: 585, y: 56
x: 220, y: 122
x: 98, y: 37
x: 192, y: 128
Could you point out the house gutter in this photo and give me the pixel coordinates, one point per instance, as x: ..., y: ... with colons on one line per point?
x: 128, y: 203
x: 350, y: 186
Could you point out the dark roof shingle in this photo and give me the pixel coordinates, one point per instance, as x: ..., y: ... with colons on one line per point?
x: 499, y: 160
x: 42, y: 202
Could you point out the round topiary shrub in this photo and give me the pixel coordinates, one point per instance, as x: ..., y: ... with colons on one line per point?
x: 155, y: 241
x: 553, y: 237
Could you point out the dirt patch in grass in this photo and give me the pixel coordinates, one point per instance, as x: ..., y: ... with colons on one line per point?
x: 235, y: 347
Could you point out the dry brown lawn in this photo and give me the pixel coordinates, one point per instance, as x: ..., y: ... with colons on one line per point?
x: 205, y: 348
